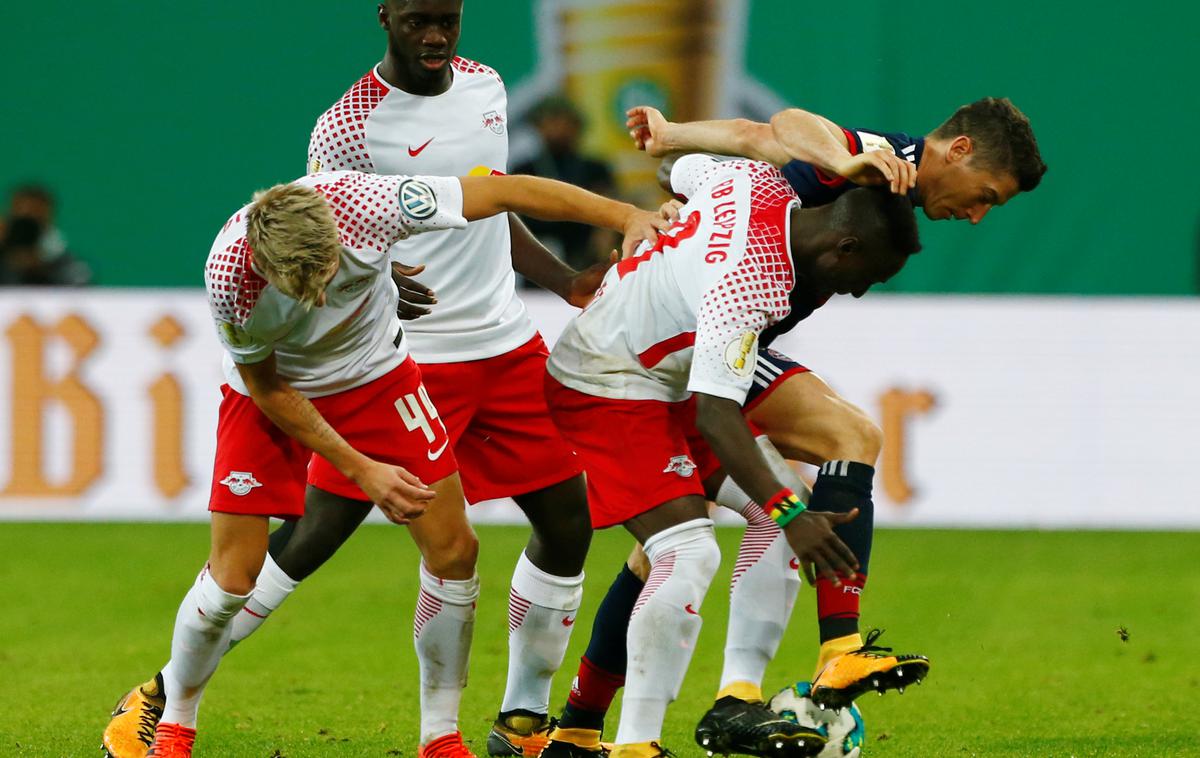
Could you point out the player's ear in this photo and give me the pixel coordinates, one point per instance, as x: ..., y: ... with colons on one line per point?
x: 960, y: 148
x: 384, y: 19
x: 848, y: 246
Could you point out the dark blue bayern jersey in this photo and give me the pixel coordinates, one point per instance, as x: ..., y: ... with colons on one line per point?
x: 815, y: 187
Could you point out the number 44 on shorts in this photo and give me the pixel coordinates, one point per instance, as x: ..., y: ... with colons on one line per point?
x: 417, y: 412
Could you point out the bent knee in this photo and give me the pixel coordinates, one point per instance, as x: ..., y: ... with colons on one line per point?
x: 455, y: 557
x: 235, y: 579
x: 863, y: 441
x: 850, y: 435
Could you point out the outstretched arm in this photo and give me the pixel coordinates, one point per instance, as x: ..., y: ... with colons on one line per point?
x: 817, y: 140
x: 552, y: 200
x: 741, y: 137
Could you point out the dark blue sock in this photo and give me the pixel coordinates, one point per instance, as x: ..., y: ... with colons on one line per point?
x: 842, y: 486
x: 602, y: 669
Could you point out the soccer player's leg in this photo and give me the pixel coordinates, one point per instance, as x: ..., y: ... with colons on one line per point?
x: 807, y: 421
x: 445, y: 615
x: 449, y: 587
x: 657, y: 495
x: 296, y: 550
x: 601, y: 670
x: 764, y: 585
x: 681, y: 547
x: 511, y: 448
x: 544, y: 599
x: 762, y: 593
x: 258, y: 472
x: 203, y: 626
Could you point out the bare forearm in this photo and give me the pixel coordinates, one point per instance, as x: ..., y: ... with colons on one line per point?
x: 724, y: 427
x: 299, y: 419
x: 545, y: 199
x: 810, y: 138
x: 740, y: 137
x: 532, y: 260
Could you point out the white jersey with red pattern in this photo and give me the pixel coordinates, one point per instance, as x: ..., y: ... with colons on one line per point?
x: 355, y: 337
x: 377, y: 128
x: 684, y: 315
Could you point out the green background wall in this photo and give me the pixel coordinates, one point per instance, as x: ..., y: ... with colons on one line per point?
x: 153, y: 121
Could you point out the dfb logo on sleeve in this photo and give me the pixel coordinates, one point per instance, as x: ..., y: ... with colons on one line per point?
x: 417, y: 200
x: 740, y: 354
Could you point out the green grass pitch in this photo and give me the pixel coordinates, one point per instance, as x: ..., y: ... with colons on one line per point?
x: 1022, y: 629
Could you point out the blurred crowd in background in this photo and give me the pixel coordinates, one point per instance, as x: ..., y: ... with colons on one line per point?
x: 33, y: 251
x: 560, y: 127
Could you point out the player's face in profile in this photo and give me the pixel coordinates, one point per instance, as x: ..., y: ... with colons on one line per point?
x: 854, y: 271
x: 966, y: 193
x: 424, y: 33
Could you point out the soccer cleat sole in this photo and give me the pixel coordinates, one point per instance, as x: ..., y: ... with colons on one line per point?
x: 775, y: 746
x: 556, y: 749
x: 898, y: 677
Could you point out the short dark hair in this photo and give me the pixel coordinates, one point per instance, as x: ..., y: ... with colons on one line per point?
x: 33, y: 190
x: 879, y: 217
x: 1003, y: 138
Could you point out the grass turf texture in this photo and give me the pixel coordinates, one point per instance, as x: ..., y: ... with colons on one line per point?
x: 1022, y: 629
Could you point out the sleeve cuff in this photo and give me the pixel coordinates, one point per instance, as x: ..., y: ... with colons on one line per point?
x: 736, y: 394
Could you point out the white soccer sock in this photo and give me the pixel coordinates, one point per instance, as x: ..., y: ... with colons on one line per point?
x: 541, y: 613
x: 762, y: 593
x: 665, y: 624
x: 442, y: 628
x: 201, y: 637
x: 270, y: 590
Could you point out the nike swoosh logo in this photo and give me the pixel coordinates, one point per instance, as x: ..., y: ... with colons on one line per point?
x: 690, y: 609
x: 434, y: 455
x: 415, y: 153
x: 794, y: 563
x: 567, y: 621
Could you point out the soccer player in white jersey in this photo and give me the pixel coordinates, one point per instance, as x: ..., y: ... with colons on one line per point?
x: 668, y: 347
x: 322, y: 392
x: 424, y: 110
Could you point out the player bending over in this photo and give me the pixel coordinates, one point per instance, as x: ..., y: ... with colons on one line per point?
x: 668, y: 347
x: 322, y: 392
x: 980, y: 157
x: 423, y: 110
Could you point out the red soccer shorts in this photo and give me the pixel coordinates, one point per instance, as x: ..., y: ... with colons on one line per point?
x: 638, y: 453
x: 500, y: 429
x: 260, y: 470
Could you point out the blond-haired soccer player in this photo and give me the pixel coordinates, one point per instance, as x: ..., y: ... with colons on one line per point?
x: 322, y: 392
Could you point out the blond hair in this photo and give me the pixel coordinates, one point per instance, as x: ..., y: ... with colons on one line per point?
x: 294, y: 238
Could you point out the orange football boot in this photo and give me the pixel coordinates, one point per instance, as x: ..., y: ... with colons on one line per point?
x: 131, y: 728
x: 520, y: 735
x: 870, y: 667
